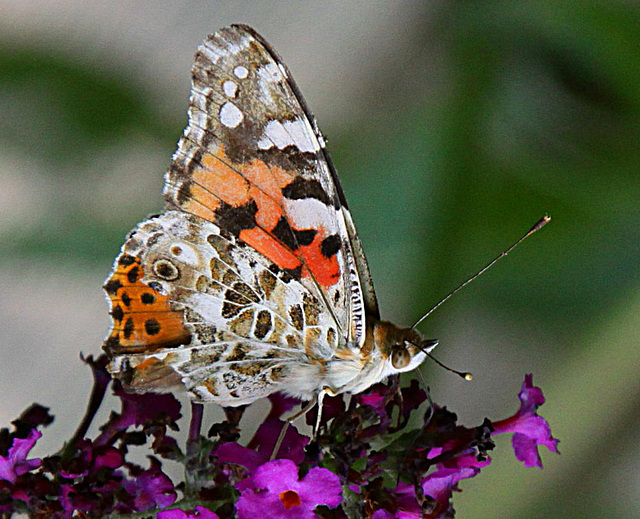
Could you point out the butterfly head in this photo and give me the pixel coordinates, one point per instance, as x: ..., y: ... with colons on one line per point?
x: 404, y: 349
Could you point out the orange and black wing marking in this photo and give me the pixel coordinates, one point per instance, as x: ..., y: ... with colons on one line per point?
x: 143, y: 320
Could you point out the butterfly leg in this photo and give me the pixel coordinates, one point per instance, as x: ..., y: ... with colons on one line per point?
x: 305, y: 409
x: 323, y: 392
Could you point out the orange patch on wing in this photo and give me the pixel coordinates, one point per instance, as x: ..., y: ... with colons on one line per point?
x: 143, y: 320
x: 270, y: 248
x: 326, y: 271
x: 202, y: 203
x: 153, y: 375
x: 215, y: 180
x: 269, y: 211
x: 266, y: 189
x: 271, y: 180
x: 257, y: 182
x: 221, y: 180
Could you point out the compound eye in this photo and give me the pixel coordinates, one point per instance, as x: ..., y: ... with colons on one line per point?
x: 400, y: 357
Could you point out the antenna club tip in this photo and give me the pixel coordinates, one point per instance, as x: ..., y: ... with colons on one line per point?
x: 540, y: 224
x: 468, y: 377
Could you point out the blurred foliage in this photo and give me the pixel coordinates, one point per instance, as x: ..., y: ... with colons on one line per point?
x: 63, y: 114
x: 536, y: 109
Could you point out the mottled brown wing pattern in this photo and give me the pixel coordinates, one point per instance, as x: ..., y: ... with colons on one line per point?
x: 249, y: 321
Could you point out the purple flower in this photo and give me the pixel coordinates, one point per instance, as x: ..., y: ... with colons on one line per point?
x: 140, y: 408
x: 89, y: 459
x: 437, y: 488
x: 280, y: 404
x: 15, y: 463
x: 151, y: 488
x: 292, y: 447
x: 176, y: 513
x: 530, y: 430
x: 275, y: 491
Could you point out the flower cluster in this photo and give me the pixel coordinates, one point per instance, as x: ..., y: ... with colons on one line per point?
x: 363, y: 462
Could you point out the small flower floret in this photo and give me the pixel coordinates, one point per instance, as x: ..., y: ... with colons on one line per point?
x: 276, y: 491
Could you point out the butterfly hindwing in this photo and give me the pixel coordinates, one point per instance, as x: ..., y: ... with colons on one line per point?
x: 249, y: 320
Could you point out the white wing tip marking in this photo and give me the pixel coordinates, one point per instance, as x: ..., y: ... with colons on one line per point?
x: 281, y: 135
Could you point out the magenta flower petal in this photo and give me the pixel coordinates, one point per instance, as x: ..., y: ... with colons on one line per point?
x: 15, y: 463
x: 530, y: 430
x: 292, y: 447
x: 280, y: 404
x: 232, y: 452
x: 437, y: 487
x: 199, y: 512
x: 275, y: 491
x: 139, y: 408
x: 151, y: 488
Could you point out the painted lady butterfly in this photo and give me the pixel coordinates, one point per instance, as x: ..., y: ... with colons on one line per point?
x: 254, y: 280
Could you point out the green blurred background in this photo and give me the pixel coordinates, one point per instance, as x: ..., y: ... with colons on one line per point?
x: 455, y: 125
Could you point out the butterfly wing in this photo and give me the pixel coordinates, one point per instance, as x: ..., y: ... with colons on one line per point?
x: 253, y: 161
x: 255, y: 275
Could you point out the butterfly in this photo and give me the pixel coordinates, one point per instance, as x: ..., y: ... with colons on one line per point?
x: 253, y: 280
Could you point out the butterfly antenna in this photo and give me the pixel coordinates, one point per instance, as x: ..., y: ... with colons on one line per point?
x: 539, y: 225
x: 426, y: 346
x: 462, y: 374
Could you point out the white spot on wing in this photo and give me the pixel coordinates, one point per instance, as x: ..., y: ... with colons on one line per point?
x: 230, y: 88
x: 230, y: 115
x: 283, y: 70
x: 241, y: 72
x: 269, y: 73
x: 288, y: 133
x: 309, y: 213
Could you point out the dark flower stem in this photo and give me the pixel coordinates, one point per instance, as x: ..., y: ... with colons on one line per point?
x: 192, y: 461
x: 197, y: 410
x: 95, y: 400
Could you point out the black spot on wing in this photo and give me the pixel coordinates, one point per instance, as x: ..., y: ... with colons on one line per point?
x: 117, y: 313
x: 128, y: 328
x: 236, y: 219
x: 152, y: 326
x: 125, y: 260
x: 288, y: 275
x: 302, y: 188
x: 132, y: 275
x: 330, y: 245
x: 289, y: 158
x: 112, y: 344
x: 305, y: 237
x: 147, y: 298
x: 184, y: 192
x: 112, y: 286
x: 292, y: 238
